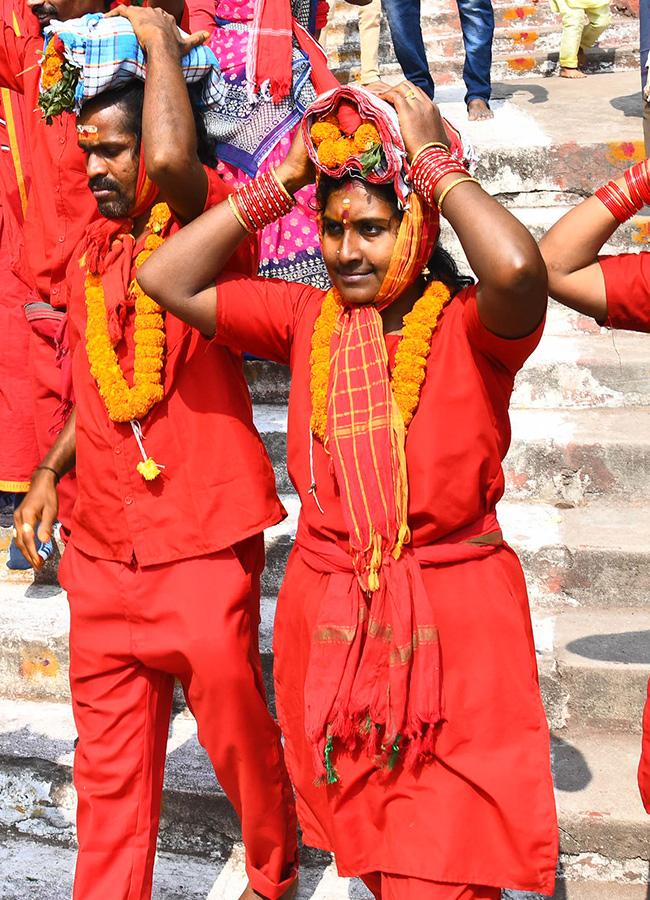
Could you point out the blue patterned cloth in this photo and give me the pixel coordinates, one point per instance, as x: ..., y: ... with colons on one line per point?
x: 107, y: 54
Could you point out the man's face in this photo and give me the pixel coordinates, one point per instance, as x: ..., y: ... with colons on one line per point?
x: 112, y: 159
x: 46, y: 10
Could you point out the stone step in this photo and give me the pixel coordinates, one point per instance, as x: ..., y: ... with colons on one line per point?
x: 577, y: 370
x: 594, y: 673
x: 560, y: 456
x: 443, y: 41
x: 602, y: 823
x: 569, y: 457
x: 29, y: 868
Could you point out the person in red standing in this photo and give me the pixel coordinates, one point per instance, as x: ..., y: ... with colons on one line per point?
x: 166, y: 549
x: 405, y: 669
x: 614, y: 290
x: 59, y: 209
x: 18, y: 448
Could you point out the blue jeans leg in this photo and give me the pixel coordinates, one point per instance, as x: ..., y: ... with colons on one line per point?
x: 406, y: 31
x: 477, y: 22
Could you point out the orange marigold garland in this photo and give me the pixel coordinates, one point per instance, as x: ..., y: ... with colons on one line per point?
x: 124, y: 403
x: 410, y: 360
x: 58, y: 80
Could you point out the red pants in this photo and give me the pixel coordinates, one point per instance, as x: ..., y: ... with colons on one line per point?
x: 132, y: 632
x: 401, y: 887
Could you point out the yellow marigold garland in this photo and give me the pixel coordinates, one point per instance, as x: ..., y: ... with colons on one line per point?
x: 122, y: 402
x: 410, y: 360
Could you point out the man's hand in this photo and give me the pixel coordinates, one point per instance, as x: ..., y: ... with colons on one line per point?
x: 153, y: 24
x: 41, y: 503
x: 419, y: 118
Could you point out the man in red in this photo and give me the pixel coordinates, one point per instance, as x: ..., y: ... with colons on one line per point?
x: 59, y: 209
x: 18, y: 449
x: 166, y: 548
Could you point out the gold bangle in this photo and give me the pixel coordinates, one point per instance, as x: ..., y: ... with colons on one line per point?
x: 427, y: 147
x: 453, y: 185
x: 286, y: 193
x: 233, y: 205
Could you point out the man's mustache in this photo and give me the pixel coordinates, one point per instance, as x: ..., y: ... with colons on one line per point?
x: 102, y: 183
x: 43, y: 10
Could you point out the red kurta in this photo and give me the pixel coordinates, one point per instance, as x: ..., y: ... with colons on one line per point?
x: 627, y: 287
x: 217, y: 486
x: 19, y: 454
x: 483, y: 811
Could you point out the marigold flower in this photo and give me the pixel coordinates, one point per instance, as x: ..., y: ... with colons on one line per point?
x: 327, y: 154
x: 365, y: 137
x: 148, y: 469
x: 321, y: 131
x: 344, y: 150
x: 51, y: 72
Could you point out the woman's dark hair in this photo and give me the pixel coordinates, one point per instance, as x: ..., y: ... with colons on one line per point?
x: 130, y: 99
x: 441, y: 265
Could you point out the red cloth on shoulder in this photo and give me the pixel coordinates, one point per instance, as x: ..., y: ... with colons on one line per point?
x: 627, y: 287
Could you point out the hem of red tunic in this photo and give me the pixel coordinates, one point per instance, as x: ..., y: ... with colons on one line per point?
x: 14, y: 487
x: 189, y: 553
x: 545, y: 886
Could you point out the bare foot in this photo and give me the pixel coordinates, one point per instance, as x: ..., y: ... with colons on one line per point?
x: 571, y: 73
x: 289, y: 894
x: 582, y: 59
x: 478, y: 109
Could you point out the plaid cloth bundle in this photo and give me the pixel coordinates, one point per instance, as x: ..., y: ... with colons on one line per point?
x: 107, y: 53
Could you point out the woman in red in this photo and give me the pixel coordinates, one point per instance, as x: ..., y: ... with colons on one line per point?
x: 404, y: 661
x: 614, y: 290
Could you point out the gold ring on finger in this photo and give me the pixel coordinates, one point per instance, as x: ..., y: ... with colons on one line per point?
x: 409, y: 95
x: 14, y: 532
x: 27, y: 528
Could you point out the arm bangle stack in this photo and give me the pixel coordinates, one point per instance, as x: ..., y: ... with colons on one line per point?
x: 430, y: 165
x: 260, y: 202
x: 616, y: 201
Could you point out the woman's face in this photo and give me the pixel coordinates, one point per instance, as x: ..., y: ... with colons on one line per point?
x: 359, y: 234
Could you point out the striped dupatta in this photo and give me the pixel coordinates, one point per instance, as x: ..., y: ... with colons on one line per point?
x: 374, y: 669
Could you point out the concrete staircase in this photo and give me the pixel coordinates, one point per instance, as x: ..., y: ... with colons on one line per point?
x: 526, y: 42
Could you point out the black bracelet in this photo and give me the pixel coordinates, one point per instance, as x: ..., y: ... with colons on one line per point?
x: 49, y: 469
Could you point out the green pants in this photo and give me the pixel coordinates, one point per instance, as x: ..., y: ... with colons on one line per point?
x: 575, y: 34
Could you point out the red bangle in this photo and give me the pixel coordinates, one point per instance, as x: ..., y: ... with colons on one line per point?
x: 638, y: 184
x: 262, y: 201
x: 429, y: 167
x: 616, y: 201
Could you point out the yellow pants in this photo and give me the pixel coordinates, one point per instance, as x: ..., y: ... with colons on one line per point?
x: 575, y: 34
x: 369, y: 23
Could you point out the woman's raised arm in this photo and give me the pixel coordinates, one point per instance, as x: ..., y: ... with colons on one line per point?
x: 501, y: 251
x: 570, y: 249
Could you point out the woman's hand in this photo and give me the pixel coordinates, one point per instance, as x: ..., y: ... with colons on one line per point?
x: 296, y: 169
x: 419, y: 118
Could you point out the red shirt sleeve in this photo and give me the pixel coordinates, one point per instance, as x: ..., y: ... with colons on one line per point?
x: 259, y: 315
x: 627, y: 288
x: 199, y: 15
x: 14, y: 57
x: 510, y: 353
